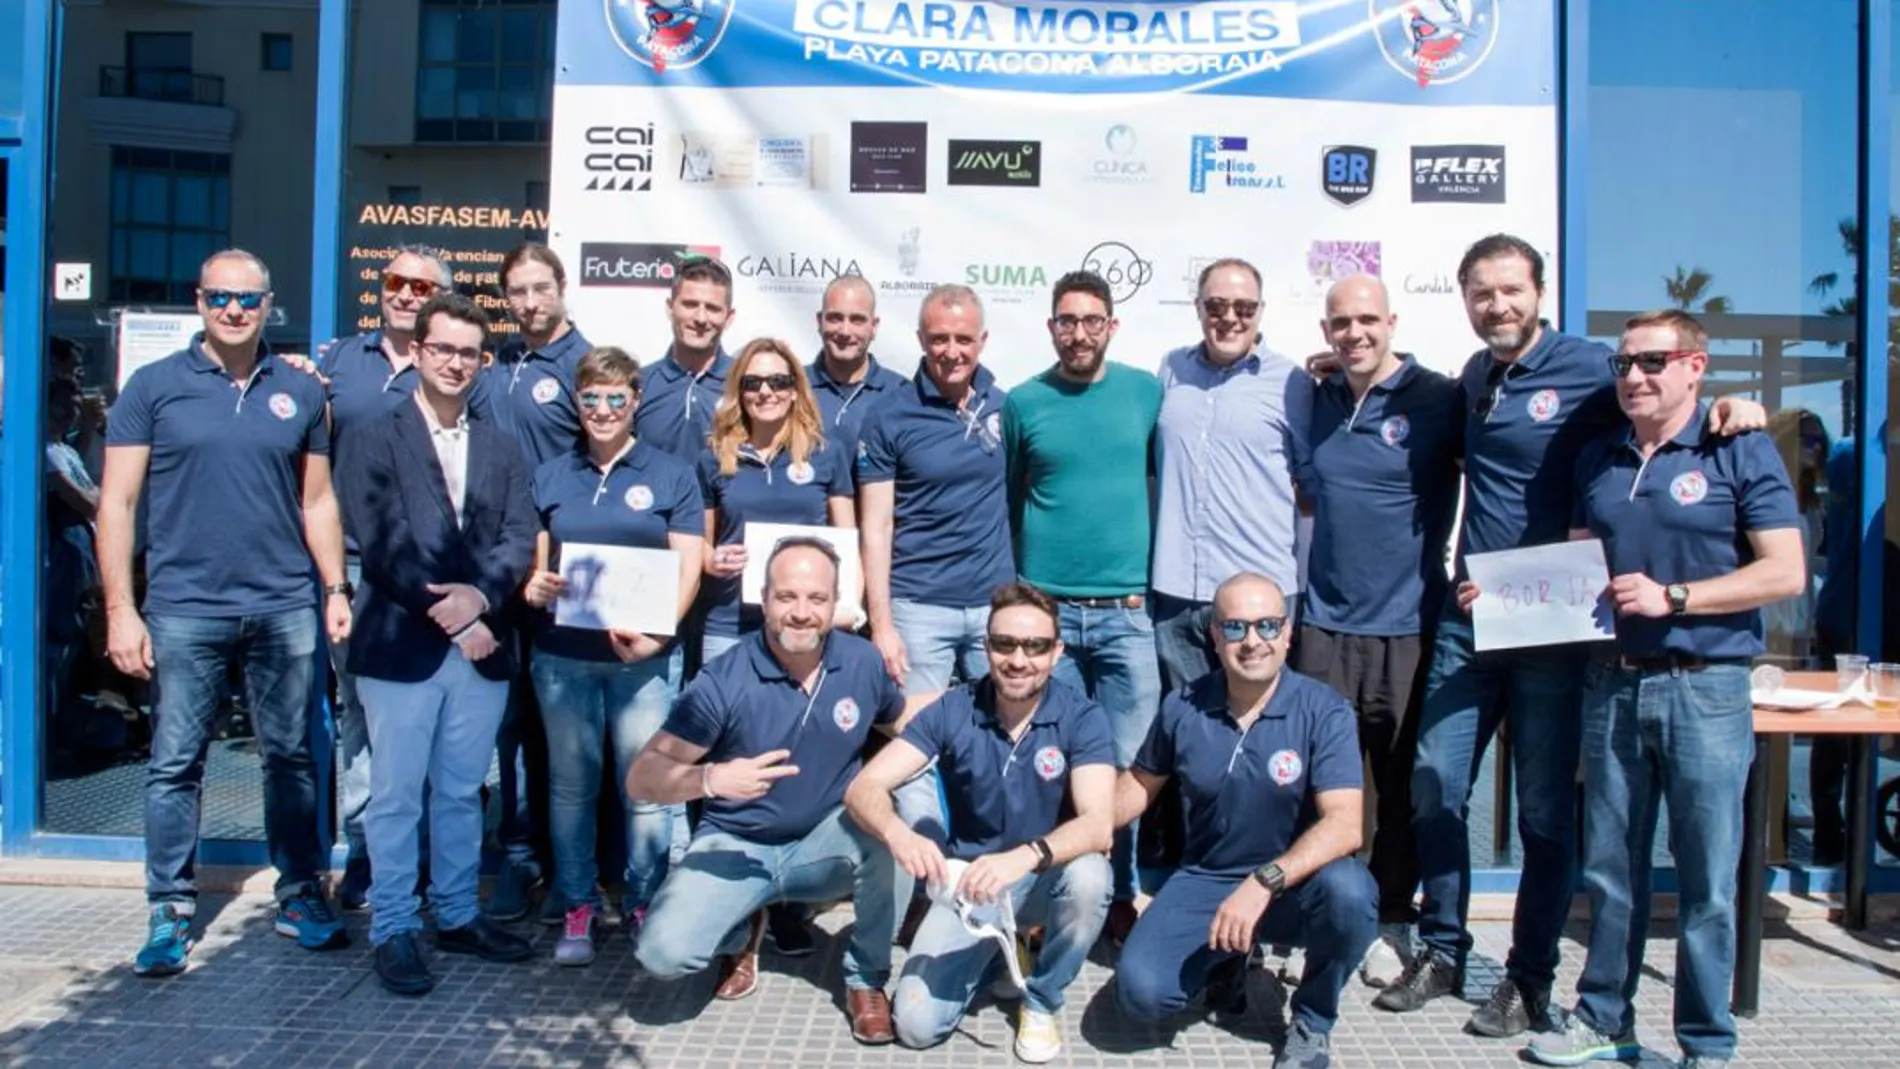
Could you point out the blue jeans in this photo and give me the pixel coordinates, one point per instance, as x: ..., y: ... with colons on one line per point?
x: 582, y: 704
x: 1182, y: 646
x: 1535, y: 691
x: 352, y: 742
x: 432, y: 736
x: 711, y: 646
x: 947, y: 963
x: 1686, y: 738
x: 1110, y: 655
x: 521, y: 768
x: 193, y: 655
x: 704, y: 905
x: 1333, y: 913
x: 941, y: 643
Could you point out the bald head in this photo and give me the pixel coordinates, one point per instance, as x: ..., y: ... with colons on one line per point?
x: 1358, y: 291
x: 1252, y: 655
x: 1249, y: 594
x: 855, y: 286
x: 1359, y: 325
x: 847, y: 324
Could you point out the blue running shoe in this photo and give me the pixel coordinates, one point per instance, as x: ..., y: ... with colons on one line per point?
x: 309, y: 920
x: 168, y: 945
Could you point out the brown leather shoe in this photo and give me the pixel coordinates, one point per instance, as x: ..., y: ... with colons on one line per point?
x: 739, y: 974
x: 1121, y: 920
x: 870, y: 1015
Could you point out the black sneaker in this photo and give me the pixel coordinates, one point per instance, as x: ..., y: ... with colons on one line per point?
x: 485, y: 939
x: 1429, y: 976
x: 1510, y: 1011
x: 400, y: 967
x: 790, y: 930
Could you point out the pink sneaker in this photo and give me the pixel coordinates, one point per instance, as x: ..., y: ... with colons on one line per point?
x: 576, y: 946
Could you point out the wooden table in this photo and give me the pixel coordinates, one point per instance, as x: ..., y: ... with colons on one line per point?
x: 1865, y: 724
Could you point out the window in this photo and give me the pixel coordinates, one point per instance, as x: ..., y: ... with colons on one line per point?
x: 486, y: 71
x: 170, y: 210
x: 158, y: 66
x: 405, y: 194
x: 277, y: 51
x: 537, y: 196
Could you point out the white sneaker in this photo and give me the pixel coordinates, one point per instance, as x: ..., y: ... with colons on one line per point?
x: 1388, y: 956
x: 1038, y: 1036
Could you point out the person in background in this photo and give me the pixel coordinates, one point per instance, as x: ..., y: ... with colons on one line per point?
x: 1834, y: 629
x: 684, y: 386
x: 71, y: 568
x: 1802, y: 443
x: 846, y: 379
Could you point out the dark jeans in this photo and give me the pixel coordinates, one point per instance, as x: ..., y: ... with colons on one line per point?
x: 1827, y: 771
x: 1181, y: 642
x: 193, y: 655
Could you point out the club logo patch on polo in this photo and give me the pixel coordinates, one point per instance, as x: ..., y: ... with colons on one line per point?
x: 993, y: 423
x: 283, y: 406
x: 546, y: 390
x: 845, y: 714
x: 1543, y: 405
x: 1689, y: 487
x: 1285, y: 767
x: 1395, y: 430
x: 639, y: 497
x: 1050, y: 763
x: 800, y: 472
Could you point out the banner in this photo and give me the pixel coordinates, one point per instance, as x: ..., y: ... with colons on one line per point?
x: 1000, y: 145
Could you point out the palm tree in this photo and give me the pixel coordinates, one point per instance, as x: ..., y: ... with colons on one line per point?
x: 1688, y: 286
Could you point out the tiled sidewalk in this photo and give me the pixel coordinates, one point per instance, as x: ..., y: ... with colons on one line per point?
x: 68, y: 998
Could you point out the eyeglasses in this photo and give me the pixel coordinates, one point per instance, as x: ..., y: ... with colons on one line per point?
x: 249, y: 300
x: 422, y: 288
x: 1270, y: 628
x: 591, y: 399
x: 1218, y: 307
x: 539, y: 289
x: 444, y: 351
x: 777, y: 383
x: 1008, y: 644
x: 1066, y: 324
x: 1652, y: 362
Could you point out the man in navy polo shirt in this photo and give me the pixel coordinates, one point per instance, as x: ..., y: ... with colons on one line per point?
x: 1028, y: 770
x: 1269, y: 768
x: 1532, y: 399
x: 369, y: 375
x: 1385, y: 441
x: 846, y: 379
x: 769, y: 736
x: 683, y: 387
x: 1700, y: 532
x: 232, y: 451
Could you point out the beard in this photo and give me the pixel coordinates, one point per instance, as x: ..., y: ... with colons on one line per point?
x: 800, y: 640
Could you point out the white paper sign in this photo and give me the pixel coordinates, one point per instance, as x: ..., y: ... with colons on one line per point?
x: 147, y: 337
x: 761, y: 537
x: 620, y: 588
x: 1541, y: 596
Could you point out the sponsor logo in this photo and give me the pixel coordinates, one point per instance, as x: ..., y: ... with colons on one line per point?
x: 1328, y: 261
x: 283, y: 406
x: 1435, y: 41
x: 1050, y: 763
x: 1689, y: 487
x: 637, y: 264
x: 1429, y: 285
x: 1121, y: 267
x: 792, y: 272
x: 1543, y: 405
x: 1219, y: 161
x: 1346, y: 172
x: 889, y: 157
x: 995, y: 163
x: 1395, y: 430
x: 800, y: 472
x: 668, y: 34
x: 546, y: 390
x: 639, y: 497
x: 1006, y: 283
x: 711, y: 160
x: 845, y: 714
x: 619, y: 159
x: 1458, y: 174
x: 910, y: 254
x: 1121, y: 161
x: 1285, y: 767
x: 1190, y: 280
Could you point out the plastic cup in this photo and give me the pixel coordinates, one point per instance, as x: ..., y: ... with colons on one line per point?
x: 1850, y: 673
x: 1766, y: 678
x: 1884, y: 679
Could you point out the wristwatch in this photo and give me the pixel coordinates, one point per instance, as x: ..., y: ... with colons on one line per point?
x: 1045, y: 857
x: 344, y: 588
x: 1271, y: 876
x: 1678, y: 595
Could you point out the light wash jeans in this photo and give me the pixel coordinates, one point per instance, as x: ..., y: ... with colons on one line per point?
x: 433, y: 736
x: 711, y: 646
x: 583, y: 703
x: 947, y: 963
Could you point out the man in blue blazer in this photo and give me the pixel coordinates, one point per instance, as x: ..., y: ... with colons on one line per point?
x: 440, y: 507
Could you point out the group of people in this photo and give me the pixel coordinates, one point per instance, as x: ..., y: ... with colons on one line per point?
x: 1081, y: 599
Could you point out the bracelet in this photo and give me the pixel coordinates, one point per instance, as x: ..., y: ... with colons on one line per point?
x: 465, y: 629
x: 705, y: 781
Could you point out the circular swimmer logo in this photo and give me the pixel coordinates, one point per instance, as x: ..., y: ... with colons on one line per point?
x: 1435, y: 41
x: 668, y: 34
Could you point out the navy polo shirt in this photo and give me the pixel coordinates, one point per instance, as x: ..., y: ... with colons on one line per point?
x: 1683, y: 516
x: 745, y: 704
x: 761, y: 491
x: 224, y: 530
x: 845, y: 405
x: 530, y: 394
x: 361, y: 388
x: 1246, y: 797
x: 642, y: 497
x: 950, y: 543
x: 1003, y: 794
x: 677, y: 406
x: 1386, y: 466
x: 1525, y: 425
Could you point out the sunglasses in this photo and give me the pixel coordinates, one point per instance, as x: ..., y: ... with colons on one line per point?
x: 614, y: 401
x: 1066, y: 324
x: 1218, y: 307
x: 1008, y: 644
x: 423, y: 288
x: 777, y: 383
x: 249, y: 300
x: 1652, y: 362
x: 444, y: 351
x: 1269, y: 627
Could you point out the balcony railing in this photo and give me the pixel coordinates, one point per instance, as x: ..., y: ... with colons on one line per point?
x: 176, y: 86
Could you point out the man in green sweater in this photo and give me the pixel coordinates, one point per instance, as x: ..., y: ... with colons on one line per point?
x: 1076, y: 441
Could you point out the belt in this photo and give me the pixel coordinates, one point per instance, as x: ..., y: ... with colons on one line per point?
x: 1673, y: 662
x: 1119, y: 601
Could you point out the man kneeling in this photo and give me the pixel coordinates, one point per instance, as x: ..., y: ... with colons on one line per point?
x: 778, y: 724
x: 1271, y: 790
x: 1011, y: 749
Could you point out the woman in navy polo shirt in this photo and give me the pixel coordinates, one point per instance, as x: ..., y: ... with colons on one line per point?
x: 590, y: 684
x: 767, y: 462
